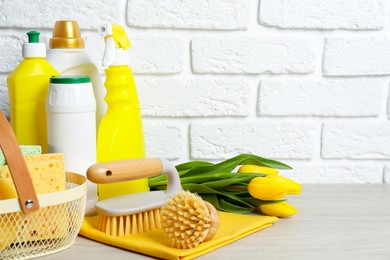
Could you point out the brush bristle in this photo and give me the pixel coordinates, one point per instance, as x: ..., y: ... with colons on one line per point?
x: 186, y: 220
x: 129, y: 224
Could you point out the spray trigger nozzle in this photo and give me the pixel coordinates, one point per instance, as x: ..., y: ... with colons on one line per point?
x: 116, y: 45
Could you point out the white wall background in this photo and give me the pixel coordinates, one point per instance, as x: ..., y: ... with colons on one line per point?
x: 302, y: 81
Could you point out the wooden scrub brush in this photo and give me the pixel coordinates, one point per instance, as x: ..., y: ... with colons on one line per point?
x: 188, y: 220
x: 138, y: 212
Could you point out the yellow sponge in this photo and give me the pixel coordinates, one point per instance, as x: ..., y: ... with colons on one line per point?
x: 47, y: 172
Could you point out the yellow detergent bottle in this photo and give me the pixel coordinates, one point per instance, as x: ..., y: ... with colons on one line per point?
x: 28, y: 86
x: 120, y: 133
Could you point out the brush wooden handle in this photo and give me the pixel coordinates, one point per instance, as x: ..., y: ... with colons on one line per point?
x: 18, y: 168
x: 124, y: 170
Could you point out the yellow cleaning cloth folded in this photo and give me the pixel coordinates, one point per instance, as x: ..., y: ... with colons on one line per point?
x: 232, y: 227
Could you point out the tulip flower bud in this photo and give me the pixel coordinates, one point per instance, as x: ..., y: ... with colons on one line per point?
x: 291, y: 186
x: 264, y: 188
x: 279, y: 209
x: 258, y: 169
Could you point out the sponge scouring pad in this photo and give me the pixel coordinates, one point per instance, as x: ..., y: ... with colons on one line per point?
x: 26, y: 150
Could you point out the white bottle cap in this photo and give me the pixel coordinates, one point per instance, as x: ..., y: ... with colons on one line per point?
x: 34, y: 48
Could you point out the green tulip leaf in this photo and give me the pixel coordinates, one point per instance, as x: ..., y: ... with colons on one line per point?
x: 227, y: 182
x: 199, y: 178
x: 242, y: 159
x: 239, y: 193
x: 230, y: 207
x: 202, y: 189
x: 222, y: 205
x: 191, y: 165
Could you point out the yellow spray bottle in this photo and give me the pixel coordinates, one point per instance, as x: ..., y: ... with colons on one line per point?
x: 28, y: 86
x: 120, y: 134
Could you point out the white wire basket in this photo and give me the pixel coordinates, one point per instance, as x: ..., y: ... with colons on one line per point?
x: 54, y: 227
x: 36, y: 225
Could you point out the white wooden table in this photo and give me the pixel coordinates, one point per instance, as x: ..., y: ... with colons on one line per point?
x: 334, y: 222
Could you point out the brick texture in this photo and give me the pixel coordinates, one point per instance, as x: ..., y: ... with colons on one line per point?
x: 356, y: 56
x: 195, y: 98
x: 163, y: 140
x: 356, y: 140
x: 275, y: 140
x: 386, y: 174
x: 156, y: 55
x: 252, y: 55
x: 200, y: 14
x: 321, y: 98
x: 148, y: 54
x: 4, y: 101
x: 324, y: 14
x: 43, y: 14
x: 10, y: 51
x: 335, y: 174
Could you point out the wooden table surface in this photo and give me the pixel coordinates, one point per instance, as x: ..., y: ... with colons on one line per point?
x: 335, y: 221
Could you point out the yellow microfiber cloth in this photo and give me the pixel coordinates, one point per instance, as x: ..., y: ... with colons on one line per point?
x: 232, y: 227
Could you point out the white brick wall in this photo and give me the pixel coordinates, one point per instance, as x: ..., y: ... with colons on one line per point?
x: 246, y: 54
x: 368, y: 140
x: 357, y: 56
x: 163, y: 140
x: 321, y: 98
x: 324, y: 14
x: 200, y: 14
x: 10, y: 51
x: 303, y: 81
x: 386, y: 176
x: 149, y: 54
x: 43, y: 14
x: 276, y: 140
x: 158, y: 55
x: 4, y: 100
x: 196, y: 98
x: 336, y: 174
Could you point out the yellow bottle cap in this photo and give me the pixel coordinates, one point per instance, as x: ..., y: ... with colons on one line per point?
x: 66, y: 34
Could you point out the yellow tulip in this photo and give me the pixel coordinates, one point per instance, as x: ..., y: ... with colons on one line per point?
x: 291, y: 186
x: 258, y: 169
x: 264, y: 188
x: 279, y: 209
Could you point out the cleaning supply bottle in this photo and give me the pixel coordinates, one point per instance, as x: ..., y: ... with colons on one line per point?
x: 28, y: 86
x: 120, y: 134
x: 68, y: 56
x: 71, y: 126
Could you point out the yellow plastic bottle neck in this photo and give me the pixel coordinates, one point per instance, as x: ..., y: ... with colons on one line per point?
x: 121, y: 89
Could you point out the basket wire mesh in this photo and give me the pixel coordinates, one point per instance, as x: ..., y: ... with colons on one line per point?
x: 54, y: 227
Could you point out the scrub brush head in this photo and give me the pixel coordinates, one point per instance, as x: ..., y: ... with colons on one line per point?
x: 188, y: 220
x: 137, y: 212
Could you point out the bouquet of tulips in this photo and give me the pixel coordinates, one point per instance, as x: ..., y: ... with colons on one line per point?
x: 255, y: 187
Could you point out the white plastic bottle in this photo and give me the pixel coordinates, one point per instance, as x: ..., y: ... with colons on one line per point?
x: 71, y: 120
x: 68, y: 56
